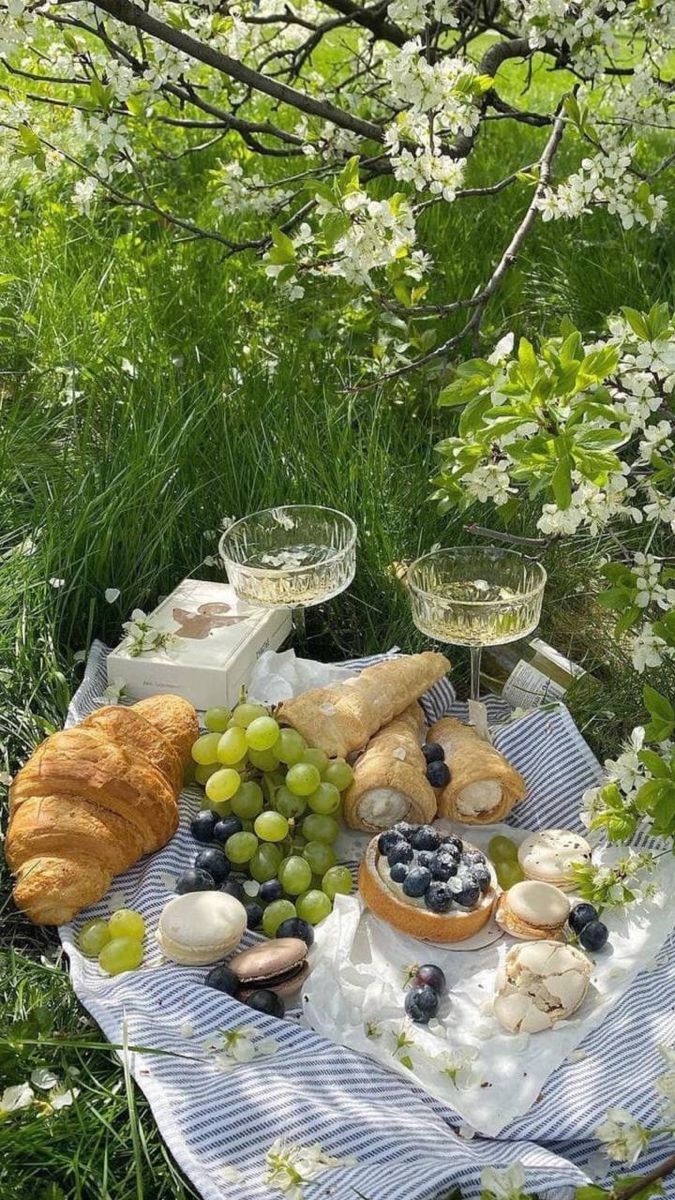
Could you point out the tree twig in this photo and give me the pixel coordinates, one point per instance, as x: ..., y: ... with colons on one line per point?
x: 665, y: 1168
x: 500, y: 536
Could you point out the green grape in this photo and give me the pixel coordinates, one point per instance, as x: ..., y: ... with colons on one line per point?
x: 339, y: 773
x: 204, y: 771
x: 337, y: 879
x: 271, y: 826
x: 262, y: 733
x: 248, y: 826
x: 502, y: 849
x: 318, y: 758
x: 265, y: 862
x: 93, y: 936
x: 290, y: 746
x: 232, y: 746
x: 288, y: 804
x: 298, y: 843
x: 216, y: 719
x: 295, y: 875
x: 302, y: 779
x: 240, y: 847
x: 508, y: 873
x: 248, y: 801
x: 319, y: 856
x: 325, y: 800
x: 127, y: 923
x: 121, y: 954
x: 264, y: 760
x: 222, y: 807
x: 205, y: 749
x: 320, y: 829
x: 223, y: 784
x: 244, y: 713
x: 313, y: 906
x: 275, y: 913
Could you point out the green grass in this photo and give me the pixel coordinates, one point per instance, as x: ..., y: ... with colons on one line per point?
x: 237, y: 402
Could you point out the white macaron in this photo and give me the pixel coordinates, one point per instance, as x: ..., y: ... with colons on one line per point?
x: 531, y: 910
x: 548, y: 856
x: 200, y: 927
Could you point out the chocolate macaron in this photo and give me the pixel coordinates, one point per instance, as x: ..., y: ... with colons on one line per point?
x: 279, y: 965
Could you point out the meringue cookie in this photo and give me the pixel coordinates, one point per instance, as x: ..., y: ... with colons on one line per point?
x: 539, y: 985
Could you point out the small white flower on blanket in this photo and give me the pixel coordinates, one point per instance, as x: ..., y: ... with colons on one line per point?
x: 239, y: 1045
x: 290, y: 1166
x: 622, y: 1136
x: 505, y: 1183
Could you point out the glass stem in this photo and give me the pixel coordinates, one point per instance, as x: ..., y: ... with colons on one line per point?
x: 475, y: 672
x: 300, y: 628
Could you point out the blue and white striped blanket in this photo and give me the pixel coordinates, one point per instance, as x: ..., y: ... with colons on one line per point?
x: 405, y: 1142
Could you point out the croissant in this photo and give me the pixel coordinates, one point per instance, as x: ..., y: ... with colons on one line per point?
x: 344, y: 717
x: 483, y: 785
x: 92, y: 800
x: 390, y: 782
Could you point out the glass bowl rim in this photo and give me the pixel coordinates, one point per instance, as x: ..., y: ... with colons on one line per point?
x: 353, y: 530
x: 501, y: 550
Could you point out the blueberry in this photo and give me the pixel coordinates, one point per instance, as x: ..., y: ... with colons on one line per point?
x: 438, y: 897
x: 468, y: 897
x: 424, y: 838
x: 295, y: 927
x: 267, y: 1002
x: 254, y: 915
x: 433, y: 752
x: 593, y: 935
x: 404, y: 830
x: 215, y: 862
x: 449, y: 841
x: 417, y: 881
x: 473, y: 858
x: 438, y: 774
x: 443, y: 865
x: 203, y: 824
x: 483, y: 878
x: 272, y: 890
x: 195, y: 880
x: 398, y: 872
x: 233, y: 888
x: 424, y: 858
x: 580, y: 915
x: 421, y: 1003
x: 223, y: 980
x: 402, y: 852
x: 430, y: 976
x: 225, y: 827
x: 388, y: 840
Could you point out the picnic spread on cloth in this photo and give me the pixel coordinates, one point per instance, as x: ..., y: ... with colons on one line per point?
x: 514, y: 1059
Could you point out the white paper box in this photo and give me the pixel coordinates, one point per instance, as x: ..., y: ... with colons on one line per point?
x: 217, y: 640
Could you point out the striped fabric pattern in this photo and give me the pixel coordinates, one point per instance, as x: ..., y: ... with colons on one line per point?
x: 407, y: 1145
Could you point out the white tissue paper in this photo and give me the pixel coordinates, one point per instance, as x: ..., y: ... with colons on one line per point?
x: 276, y: 677
x: 356, y: 991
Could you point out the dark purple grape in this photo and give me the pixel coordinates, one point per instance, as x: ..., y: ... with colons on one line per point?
x: 267, y: 1002
x: 433, y: 752
x: 215, y: 862
x: 431, y: 976
x: 195, y: 880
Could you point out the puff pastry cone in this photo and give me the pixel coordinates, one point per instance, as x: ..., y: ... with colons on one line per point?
x: 483, y: 786
x: 92, y: 800
x: 390, y: 782
x: 343, y: 718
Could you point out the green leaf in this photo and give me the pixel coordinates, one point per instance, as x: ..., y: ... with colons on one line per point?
x: 529, y: 365
x: 572, y: 349
x: 650, y: 794
x: 657, y: 705
x: 31, y: 146
x: 561, y: 479
x: 615, y: 598
x: 597, y: 365
x: 627, y: 619
x: 452, y: 396
x: 591, y: 1191
x: 656, y: 765
x: 283, y: 250
x: 637, y: 322
x: 5, y: 279
x: 658, y: 730
x: 348, y: 179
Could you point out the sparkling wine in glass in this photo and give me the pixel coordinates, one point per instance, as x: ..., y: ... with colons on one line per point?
x: 476, y: 596
x: 298, y: 555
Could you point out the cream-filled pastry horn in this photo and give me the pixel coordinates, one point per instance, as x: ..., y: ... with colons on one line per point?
x: 390, y: 781
x: 483, y: 786
x: 344, y: 717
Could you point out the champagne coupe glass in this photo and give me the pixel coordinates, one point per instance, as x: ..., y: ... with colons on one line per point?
x: 297, y: 555
x: 476, y: 596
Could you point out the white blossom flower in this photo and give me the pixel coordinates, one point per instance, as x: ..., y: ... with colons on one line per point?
x: 504, y: 1183
x: 489, y: 482
x: 648, y: 649
x: 61, y: 1097
x: 21, y: 1095
x: 43, y: 1078
x: 290, y: 1166
x: 622, y: 1136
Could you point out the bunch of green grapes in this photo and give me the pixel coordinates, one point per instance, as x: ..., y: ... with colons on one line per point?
x: 117, y: 943
x: 279, y: 804
x: 504, y: 855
